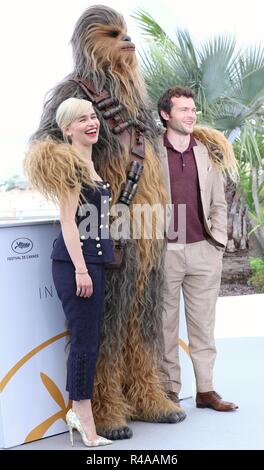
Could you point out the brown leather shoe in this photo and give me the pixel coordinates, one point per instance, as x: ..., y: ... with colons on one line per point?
x: 173, y: 396
x: 214, y: 401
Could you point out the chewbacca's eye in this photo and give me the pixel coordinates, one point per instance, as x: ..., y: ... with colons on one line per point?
x: 113, y: 34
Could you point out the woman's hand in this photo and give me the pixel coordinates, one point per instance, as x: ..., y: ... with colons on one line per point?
x: 84, y: 285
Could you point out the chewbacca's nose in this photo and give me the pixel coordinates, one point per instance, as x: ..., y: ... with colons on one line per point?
x: 126, y: 38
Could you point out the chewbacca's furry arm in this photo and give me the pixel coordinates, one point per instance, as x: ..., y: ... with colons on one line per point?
x: 55, y: 168
x: 220, y: 150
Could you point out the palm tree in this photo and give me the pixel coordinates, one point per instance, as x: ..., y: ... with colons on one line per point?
x: 229, y: 87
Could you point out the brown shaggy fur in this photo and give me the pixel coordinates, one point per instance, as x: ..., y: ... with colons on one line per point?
x: 220, y: 150
x: 127, y: 383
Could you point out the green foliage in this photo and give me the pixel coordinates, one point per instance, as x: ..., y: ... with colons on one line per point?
x: 150, y: 28
x: 258, y: 220
x: 15, y: 181
x: 229, y: 87
x: 257, y: 277
x: 245, y: 185
x: 249, y: 149
x: 11, y: 183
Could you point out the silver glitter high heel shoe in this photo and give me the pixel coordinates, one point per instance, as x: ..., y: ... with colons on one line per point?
x: 74, y: 423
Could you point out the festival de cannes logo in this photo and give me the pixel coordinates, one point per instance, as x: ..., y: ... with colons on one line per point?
x: 22, y: 245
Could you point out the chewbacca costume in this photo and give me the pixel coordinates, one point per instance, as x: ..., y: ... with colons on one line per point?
x: 127, y: 384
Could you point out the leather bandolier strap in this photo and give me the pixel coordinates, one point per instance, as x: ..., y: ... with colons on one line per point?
x: 129, y: 133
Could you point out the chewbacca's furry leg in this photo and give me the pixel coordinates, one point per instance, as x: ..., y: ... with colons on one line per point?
x: 145, y: 392
x: 109, y: 404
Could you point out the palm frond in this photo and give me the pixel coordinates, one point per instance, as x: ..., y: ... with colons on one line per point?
x: 150, y: 29
x: 223, y: 115
x: 216, y: 57
x: 249, y: 78
x: 159, y: 72
x: 248, y: 144
x: 229, y: 83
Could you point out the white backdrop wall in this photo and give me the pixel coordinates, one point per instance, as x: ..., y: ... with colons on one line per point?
x: 32, y: 380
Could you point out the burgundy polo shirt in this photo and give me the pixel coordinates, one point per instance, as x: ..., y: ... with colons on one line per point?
x: 185, y: 189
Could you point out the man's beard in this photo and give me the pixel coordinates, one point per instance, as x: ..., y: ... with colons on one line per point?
x: 182, y: 130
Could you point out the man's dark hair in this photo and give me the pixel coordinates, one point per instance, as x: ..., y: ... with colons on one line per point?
x: 165, y: 104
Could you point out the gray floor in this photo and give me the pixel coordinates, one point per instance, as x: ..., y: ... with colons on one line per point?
x: 238, y: 377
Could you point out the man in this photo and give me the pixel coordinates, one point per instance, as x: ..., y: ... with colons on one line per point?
x: 193, y: 260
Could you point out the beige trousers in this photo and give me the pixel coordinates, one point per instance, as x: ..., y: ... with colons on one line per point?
x: 196, y: 268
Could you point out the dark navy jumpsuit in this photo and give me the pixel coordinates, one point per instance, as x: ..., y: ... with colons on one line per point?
x: 84, y: 314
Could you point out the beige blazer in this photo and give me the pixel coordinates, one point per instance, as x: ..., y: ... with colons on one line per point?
x: 212, y: 189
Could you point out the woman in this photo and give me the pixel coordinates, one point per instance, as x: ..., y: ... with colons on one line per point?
x: 65, y: 173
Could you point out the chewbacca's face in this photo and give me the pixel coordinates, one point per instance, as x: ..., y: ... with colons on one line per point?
x: 110, y: 44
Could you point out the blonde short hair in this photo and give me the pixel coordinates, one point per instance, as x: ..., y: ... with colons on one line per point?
x: 71, y: 109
